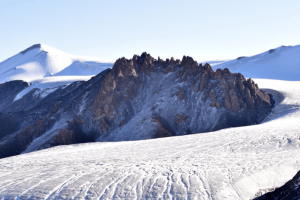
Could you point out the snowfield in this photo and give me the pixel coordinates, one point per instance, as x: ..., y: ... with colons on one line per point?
x: 234, y: 163
x: 282, y: 63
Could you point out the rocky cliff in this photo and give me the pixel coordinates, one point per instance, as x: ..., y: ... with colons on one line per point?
x: 139, y: 98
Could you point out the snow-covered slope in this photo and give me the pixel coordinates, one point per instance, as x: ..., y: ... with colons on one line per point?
x: 46, y: 68
x: 48, y: 85
x: 39, y: 61
x: 214, y: 62
x: 282, y: 63
x: 233, y: 163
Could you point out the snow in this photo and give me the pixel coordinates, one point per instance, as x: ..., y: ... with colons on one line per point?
x: 44, y: 61
x: 282, y: 63
x: 48, y: 85
x: 47, y: 69
x: 213, y: 63
x: 233, y: 163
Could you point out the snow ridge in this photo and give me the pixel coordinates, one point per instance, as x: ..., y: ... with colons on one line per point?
x: 39, y: 61
x: 282, y: 63
x: 46, y: 68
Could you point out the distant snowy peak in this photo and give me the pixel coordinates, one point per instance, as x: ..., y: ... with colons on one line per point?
x: 39, y: 61
x: 266, y: 53
x: 35, y: 46
x: 282, y: 63
x: 214, y: 62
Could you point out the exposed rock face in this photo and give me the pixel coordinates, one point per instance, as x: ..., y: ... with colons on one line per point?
x: 289, y: 191
x: 139, y: 98
x: 65, y: 137
x: 180, y: 118
x: 9, y: 90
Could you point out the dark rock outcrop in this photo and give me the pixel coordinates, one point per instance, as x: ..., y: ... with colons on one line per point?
x: 180, y: 118
x: 139, y: 98
x: 9, y: 90
x: 272, y: 51
x: 289, y: 191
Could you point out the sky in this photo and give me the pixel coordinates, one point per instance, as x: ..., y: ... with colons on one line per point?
x: 203, y: 29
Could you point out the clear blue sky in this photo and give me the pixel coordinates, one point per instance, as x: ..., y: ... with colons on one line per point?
x: 203, y: 29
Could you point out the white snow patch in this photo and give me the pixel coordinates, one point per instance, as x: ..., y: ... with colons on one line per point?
x: 48, y: 85
x: 282, y: 63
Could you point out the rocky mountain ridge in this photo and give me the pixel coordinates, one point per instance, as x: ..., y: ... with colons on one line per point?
x: 139, y: 98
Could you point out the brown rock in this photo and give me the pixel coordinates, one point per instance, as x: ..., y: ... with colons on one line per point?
x: 249, y: 99
x: 262, y: 97
x: 218, y: 105
x: 212, y: 95
x: 163, y: 129
x: 56, y: 109
x: 232, y: 83
x: 122, y: 122
x: 180, y: 93
x: 132, y: 90
x: 227, y: 103
x: 187, y: 131
x: 241, y: 102
x: 169, y: 69
x: 241, y: 86
x: 219, y: 73
x: 180, y: 118
x: 224, y: 85
x: 187, y: 62
x: 213, y: 104
x: 226, y: 72
x: 106, y: 110
x: 203, y: 80
x: 154, y: 107
x: 235, y: 106
x: 245, y: 107
x: 103, y: 125
x: 196, y: 87
x: 65, y: 137
x: 207, y: 68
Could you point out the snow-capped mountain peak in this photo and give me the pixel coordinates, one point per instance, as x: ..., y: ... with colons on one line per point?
x: 40, y: 60
x: 282, y: 63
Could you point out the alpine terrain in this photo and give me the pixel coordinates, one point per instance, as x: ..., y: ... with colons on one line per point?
x: 140, y: 98
x: 126, y: 115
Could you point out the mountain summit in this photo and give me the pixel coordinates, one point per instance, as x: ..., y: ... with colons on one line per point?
x: 40, y: 61
x: 282, y: 63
